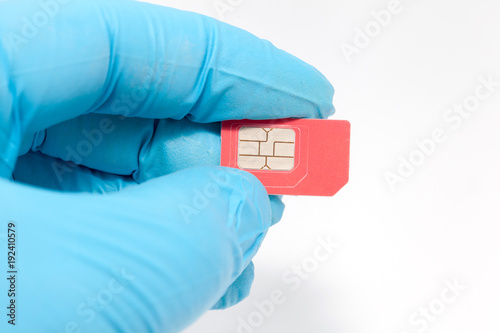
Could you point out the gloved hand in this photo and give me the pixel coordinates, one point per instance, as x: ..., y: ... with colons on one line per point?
x: 98, y: 97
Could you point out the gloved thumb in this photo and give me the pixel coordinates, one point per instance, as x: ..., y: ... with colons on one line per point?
x: 150, y: 258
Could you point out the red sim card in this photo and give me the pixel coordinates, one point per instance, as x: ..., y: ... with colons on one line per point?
x: 290, y: 156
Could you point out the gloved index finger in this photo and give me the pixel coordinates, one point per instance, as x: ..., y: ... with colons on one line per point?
x: 140, y: 60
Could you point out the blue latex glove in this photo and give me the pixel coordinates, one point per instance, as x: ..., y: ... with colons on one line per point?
x: 118, y: 96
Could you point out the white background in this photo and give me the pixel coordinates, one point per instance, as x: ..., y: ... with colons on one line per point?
x: 397, y: 246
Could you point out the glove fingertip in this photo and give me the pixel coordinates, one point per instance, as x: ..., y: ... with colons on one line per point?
x: 238, y: 291
x: 277, y: 208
